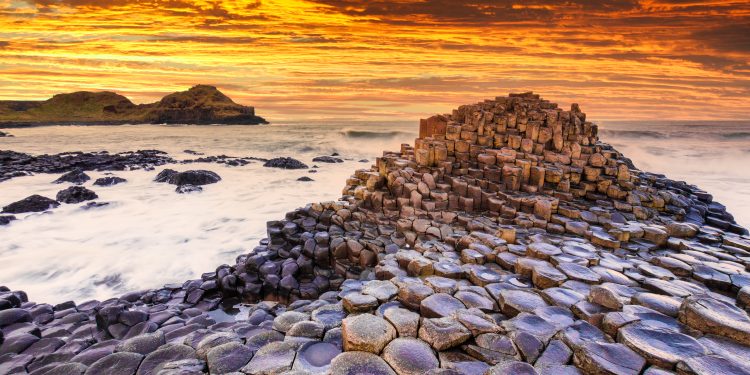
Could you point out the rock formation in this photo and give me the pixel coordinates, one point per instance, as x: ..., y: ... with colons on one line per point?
x: 201, y: 104
x: 507, y: 240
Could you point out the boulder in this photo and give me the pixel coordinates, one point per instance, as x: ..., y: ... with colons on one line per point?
x: 34, y: 203
x: 195, y: 178
x: 76, y: 176
x: 327, y: 159
x: 75, y: 194
x: 285, y: 163
x: 109, y: 181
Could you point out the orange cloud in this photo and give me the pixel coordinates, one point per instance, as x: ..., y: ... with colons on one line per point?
x: 389, y: 59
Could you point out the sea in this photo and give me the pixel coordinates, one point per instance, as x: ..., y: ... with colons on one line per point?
x: 149, y: 235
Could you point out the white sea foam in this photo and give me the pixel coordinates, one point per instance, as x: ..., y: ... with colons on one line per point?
x: 149, y: 235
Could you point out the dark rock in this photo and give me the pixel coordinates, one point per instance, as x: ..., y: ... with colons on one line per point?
x: 142, y: 344
x: 187, y: 189
x: 91, y: 205
x: 327, y: 159
x: 272, y: 358
x: 165, y: 175
x: 13, y: 316
x: 6, y: 219
x: 315, y: 357
x: 109, y: 181
x: 305, y: 179
x: 410, y: 356
x: 34, y: 203
x: 229, y: 357
x: 359, y: 363
x: 75, y: 194
x: 285, y: 163
x: 196, y: 178
x: 75, y: 176
x: 17, y: 343
x: 165, y: 353
x: 190, y: 366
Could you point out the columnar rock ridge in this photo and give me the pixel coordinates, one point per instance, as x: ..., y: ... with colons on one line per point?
x: 507, y: 240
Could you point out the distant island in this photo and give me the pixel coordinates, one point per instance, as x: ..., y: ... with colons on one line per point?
x: 201, y: 104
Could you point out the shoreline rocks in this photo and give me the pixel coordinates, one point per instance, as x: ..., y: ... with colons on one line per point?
x: 507, y: 239
x: 285, y: 163
x: 34, y: 203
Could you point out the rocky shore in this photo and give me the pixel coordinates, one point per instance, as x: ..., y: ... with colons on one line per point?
x: 507, y: 240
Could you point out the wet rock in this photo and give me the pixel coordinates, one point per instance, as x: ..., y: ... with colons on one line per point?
x: 366, y: 332
x: 124, y: 363
x: 142, y: 344
x: 272, y: 358
x: 512, y: 367
x: 195, y: 178
x: 187, y: 189
x: 315, y: 357
x: 190, y: 366
x: 285, y: 163
x: 382, y: 290
x: 17, y: 343
x: 440, y: 305
x: 410, y: 356
x: 285, y: 321
x: 660, y: 347
x: 13, y: 316
x: 329, y: 315
x: 515, y: 301
x: 6, y: 219
x: 34, y: 203
x: 164, y: 354
x: 443, y: 333
x: 307, y: 328
x: 359, y: 363
x: 305, y: 179
x: 327, y: 159
x: 717, y: 317
x: 109, y: 181
x: 229, y: 357
x: 597, y: 358
x: 75, y: 176
x: 210, y: 341
x: 713, y: 365
x: 64, y: 369
x: 75, y: 194
x: 165, y: 175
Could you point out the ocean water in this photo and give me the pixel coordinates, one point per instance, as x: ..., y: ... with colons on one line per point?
x: 149, y: 235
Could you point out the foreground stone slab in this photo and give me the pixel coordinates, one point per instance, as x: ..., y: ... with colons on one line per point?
x: 357, y: 363
x: 366, y: 332
x: 717, y: 317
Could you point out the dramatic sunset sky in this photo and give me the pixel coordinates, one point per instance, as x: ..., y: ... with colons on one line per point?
x: 389, y: 59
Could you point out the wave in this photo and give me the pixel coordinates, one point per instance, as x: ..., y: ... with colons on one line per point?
x: 370, y: 134
x: 633, y: 133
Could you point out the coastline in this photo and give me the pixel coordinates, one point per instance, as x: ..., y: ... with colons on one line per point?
x: 539, y: 259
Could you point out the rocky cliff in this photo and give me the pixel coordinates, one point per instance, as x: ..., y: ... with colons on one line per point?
x: 507, y: 240
x: 201, y: 104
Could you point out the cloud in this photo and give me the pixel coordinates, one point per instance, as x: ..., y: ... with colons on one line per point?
x: 477, y: 11
x: 731, y: 37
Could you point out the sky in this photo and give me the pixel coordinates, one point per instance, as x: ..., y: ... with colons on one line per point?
x: 389, y: 59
